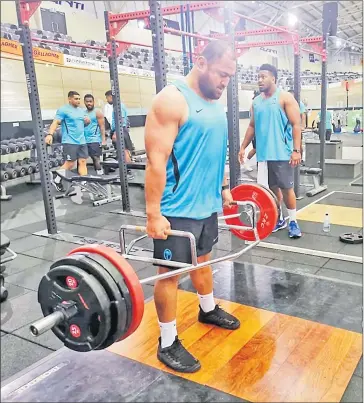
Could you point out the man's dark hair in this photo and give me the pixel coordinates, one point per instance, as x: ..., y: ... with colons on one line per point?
x: 89, y: 96
x: 107, y: 93
x: 215, y: 50
x: 72, y: 94
x: 271, y: 69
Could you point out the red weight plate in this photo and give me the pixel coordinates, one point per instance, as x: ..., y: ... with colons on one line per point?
x: 268, y: 211
x: 130, y: 278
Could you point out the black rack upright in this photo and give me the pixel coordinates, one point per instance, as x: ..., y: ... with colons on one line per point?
x: 32, y: 87
x: 156, y: 26
x: 232, y: 106
x: 115, y: 89
x: 322, y: 129
x: 297, y: 95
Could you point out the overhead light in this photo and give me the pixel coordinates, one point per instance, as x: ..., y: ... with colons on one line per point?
x: 253, y: 2
x: 338, y: 42
x: 141, y: 24
x: 353, y: 48
x: 292, y: 19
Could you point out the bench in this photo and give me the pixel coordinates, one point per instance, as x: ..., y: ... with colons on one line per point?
x: 98, y: 188
x: 315, y: 174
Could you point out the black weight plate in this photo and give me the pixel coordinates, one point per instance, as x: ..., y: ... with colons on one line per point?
x: 119, y: 280
x: 117, y: 305
x: 351, y: 237
x: 91, y: 325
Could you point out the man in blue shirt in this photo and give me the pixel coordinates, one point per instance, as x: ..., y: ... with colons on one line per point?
x: 328, y: 124
x: 94, y: 132
x: 186, y: 135
x: 127, y: 140
x: 72, y: 119
x: 275, y: 122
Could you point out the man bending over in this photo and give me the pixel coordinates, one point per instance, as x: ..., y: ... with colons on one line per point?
x: 186, y: 145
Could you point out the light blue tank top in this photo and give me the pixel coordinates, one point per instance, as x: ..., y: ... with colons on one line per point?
x: 92, y: 130
x: 196, y: 166
x: 72, y: 121
x: 273, y: 131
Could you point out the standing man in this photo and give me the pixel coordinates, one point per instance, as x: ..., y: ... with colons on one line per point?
x: 328, y: 123
x: 94, y: 132
x: 108, y: 109
x: 186, y: 145
x: 275, y: 122
x: 72, y: 119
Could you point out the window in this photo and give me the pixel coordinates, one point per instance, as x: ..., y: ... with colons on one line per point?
x: 53, y: 21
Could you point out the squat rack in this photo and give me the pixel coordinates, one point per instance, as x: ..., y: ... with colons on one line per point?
x: 113, y: 24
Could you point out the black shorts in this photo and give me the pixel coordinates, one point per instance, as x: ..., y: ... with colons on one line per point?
x: 178, y: 249
x: 128, y: 144
x: 72, y: 152
x: 280, y: 174
x: 94, y: 149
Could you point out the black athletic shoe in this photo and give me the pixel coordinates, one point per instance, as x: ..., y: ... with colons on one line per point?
x: 177, y: 357
x: 219, y: 318
x: 57, y: 185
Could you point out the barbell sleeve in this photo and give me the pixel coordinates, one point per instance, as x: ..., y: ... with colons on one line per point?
x: 47, y: 323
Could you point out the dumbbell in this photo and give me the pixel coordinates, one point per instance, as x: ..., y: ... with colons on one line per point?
x: 35, y: 166
x: 60, y: 160
x: 14, y: 148
x: 12, y: 173
x: 4, y: 176
x: 5, y: 149
x: 29, y: 169
x: 5, y: 165
x: 20, y: 171
x: 22, y: 146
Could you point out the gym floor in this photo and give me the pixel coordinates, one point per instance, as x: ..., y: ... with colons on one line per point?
x: 301, y: 315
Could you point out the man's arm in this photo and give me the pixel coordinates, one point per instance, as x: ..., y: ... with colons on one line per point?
x: 161, y: 129
x: 101, y: 121
x: 53, y: 126
x: 249, y: 134
x: 293, y: 114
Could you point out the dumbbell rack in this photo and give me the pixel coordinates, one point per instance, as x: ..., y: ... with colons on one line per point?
x: 19, y: 162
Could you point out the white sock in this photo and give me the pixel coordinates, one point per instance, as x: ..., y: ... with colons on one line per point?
x: 292, y: 214
x: 281, y: 213
x: 207, y: 302
x: 100, y: 172
x: 168, y: 333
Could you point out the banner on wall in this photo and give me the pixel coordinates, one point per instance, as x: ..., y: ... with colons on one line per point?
x: 49, y: 56
x: 12, y: 47
x: 80, y: 62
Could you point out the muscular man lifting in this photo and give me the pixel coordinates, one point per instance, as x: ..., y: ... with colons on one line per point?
x: 186, y: 145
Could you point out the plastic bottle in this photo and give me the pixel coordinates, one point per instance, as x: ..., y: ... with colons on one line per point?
x: 326, y: 226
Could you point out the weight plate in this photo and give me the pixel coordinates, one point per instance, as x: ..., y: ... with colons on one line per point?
x: 97, y: 266
x: 272, y: 194
x: 91, y: 325
x: 126, y: 300
x: 351, y: 237
x: 130, y: 279
x: 266, y: 204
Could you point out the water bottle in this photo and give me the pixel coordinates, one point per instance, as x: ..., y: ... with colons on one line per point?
x: 326, y: 227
